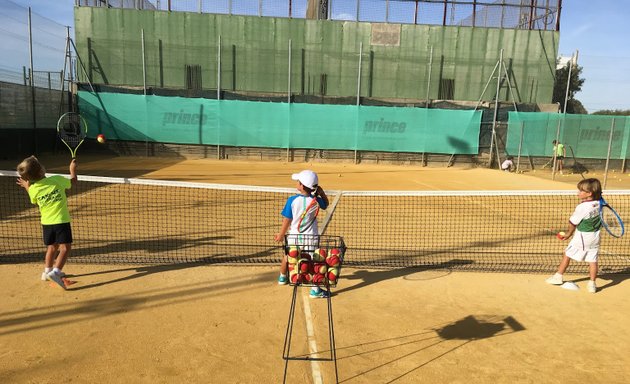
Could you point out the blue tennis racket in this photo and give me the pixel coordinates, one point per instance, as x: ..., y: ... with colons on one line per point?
x: 610, y: 219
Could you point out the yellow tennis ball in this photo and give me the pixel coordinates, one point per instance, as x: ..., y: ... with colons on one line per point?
x: 100, y: 138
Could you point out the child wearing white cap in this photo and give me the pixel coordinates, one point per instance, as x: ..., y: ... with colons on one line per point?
x: 297, y: 219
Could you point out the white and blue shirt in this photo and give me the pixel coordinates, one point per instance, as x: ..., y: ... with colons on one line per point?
x: 295, y: 207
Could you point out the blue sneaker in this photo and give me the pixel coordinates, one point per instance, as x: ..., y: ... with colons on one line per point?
x: 283, y: 280
x: 317, y: 293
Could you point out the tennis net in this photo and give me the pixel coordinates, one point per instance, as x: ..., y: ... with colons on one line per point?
x: 140, y: 221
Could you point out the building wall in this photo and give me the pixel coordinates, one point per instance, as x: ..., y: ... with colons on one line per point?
x: 398, y: 61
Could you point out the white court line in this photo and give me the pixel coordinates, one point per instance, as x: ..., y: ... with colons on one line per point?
x: 310, y: 338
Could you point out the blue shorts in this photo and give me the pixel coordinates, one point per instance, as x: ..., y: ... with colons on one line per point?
x: 57, y: 234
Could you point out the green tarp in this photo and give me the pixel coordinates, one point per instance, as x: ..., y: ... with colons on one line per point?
x: 279, y: 125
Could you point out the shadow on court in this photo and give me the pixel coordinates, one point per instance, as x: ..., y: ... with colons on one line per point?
x: 432, y: 342
x: 612, y: 279
x: 166, y: 251
x: 369, y: 277
x: 42, y: 317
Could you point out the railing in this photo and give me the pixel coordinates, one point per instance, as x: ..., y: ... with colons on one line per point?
x: 509, y: 14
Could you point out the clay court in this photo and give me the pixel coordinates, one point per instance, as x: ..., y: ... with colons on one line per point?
x: 187, y: 323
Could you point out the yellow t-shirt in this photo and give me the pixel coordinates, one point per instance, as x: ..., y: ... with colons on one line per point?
x: 49, y: 194
x: 559, y: 149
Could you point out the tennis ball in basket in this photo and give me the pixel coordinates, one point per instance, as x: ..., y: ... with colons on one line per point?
x: 318, y: 278
x: 332, y: 260
x: 306, y: 255
x: 332, y: 274
x: 295, y: 277
x: 304, y: 266
x: 100, y: 138
x: 319, y: 254
x: 306, y: 277
x: 320, y: 268
x: 294, y: 252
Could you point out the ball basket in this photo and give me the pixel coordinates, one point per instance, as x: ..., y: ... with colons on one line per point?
x: 314, y: 260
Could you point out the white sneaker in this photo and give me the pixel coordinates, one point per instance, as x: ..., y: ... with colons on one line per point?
x: 555, y: 279
x: 591, y: 287
x: 45, y: 275
x: 56, y: 278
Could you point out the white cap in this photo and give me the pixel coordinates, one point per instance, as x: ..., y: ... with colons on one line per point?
x: 307, y: 178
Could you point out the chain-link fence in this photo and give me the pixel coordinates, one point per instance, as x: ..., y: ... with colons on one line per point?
x: 515, y: 14
x: 31, y: 79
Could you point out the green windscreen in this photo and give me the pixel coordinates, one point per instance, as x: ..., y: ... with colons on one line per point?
x: 586, y: 136
x: 279, y: 125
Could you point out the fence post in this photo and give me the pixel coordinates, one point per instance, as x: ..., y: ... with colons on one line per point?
x: 520, y: 146
x: 289, y: 105
x: 610, y: 137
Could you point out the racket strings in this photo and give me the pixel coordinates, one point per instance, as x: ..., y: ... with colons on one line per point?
x: 72, y: 129
x: 611, y: 221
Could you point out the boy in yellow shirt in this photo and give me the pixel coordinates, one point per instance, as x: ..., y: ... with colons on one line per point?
x: 49, y: 193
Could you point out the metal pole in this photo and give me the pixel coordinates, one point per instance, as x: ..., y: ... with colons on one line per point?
x: 566, y: 95
x: 487, y: 84
x: 200, y: 5
x: 555, y: 151
x: 520, y: 146
x: 612, y: 129
x: 219, y: 69
x: 144, y: 66
x: 429, y: 77
x: 356, y: 135
x: 289, y: 77
x: 415, y: 15
x: 359, y: 74
x: 144, y: 89
x: 289, y: 102
x: 387, y: 11
x: 32, y: 81
x: 219, y: 98
x: 358, y: 6
x: 496, y: 111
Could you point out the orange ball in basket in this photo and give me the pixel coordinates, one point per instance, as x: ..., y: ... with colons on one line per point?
x: 306, y: 277
x: 320, y: 254
x: 304, y: 266
x: 295, y: 278
x: 320, y: 268
x: 332, y: 260
x: 318, y: 278
x: 333, y: 273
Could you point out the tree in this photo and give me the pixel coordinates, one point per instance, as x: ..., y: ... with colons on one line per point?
x: 616, y: 112
x: 575, y: 86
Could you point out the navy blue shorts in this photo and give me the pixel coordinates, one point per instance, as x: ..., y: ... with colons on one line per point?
x: 57, y: 234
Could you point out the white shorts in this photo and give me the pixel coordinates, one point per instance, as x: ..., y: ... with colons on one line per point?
x: 584, y: 246
x: 577, y: 254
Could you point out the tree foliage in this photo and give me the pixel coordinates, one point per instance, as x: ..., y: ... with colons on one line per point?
x: 575, y: 86
x: 611, y: 112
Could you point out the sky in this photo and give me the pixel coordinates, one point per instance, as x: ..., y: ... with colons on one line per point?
x: 597, y: 30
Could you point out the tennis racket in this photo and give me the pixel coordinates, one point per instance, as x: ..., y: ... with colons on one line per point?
x: 72, y: 130
x: 610, y: 219
x: 309, y: 215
